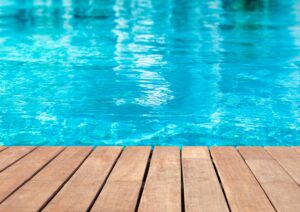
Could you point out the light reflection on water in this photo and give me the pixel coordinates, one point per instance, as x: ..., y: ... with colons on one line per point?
x: 149, y: 72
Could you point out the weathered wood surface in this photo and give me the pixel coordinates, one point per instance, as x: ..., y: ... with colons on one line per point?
x: 81, y: 189
x: 2, y: 148
x: 144, y: 179
x: 163, y: 185
x: 273, y: 178
x: 297, y: 149
x: 33, y: 195
x: 202, y: 190
x: 16, y: 175
x: 122, y: 188
x: 12, y: 155
x: 243, y: 192
x: 288, y: 159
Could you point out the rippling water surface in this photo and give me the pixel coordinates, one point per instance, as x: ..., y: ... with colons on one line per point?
x: 149, y: 72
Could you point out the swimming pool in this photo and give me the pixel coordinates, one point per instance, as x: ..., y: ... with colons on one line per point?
x: 149, y: 72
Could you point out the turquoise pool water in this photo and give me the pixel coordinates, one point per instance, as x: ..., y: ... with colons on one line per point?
x: 149, y: 72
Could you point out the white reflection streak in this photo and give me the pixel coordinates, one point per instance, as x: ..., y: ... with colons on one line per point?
x: 292, y: 85
x: 216, y: 116
x: 155, y: 88
x: 121, y: 24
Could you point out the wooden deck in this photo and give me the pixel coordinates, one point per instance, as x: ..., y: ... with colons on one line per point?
x: 141, y: 179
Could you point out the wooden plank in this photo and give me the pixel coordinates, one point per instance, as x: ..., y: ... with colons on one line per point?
x: 289, y: 159
x: 163, y: 185
x: 12, y: 154
x: 2, y: 148
x: 297, y: 149
x: 17, y: 174
x: 242, y: 190
x: 122, y: 188
x: 202, y: 190
x: 281, y: 189
x: 34, y: 194
x: 86, y: 182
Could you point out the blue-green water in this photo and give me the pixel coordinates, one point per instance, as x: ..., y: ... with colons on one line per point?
x: 149, y: 72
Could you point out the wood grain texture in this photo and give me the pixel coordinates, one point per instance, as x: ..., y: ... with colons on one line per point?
x: 17, y: 174
x: 162, y: 190
x: 12, y: 154
x: 86, y: 182
x: 202, y: 190
x: 242, y: 190
x: 72, y: 179
x: 289, y: 159
x: 35, y: 193
x: 121, y: 191
x: 281, y: 189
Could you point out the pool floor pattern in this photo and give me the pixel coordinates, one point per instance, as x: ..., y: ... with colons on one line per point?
x: 149, y: 179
